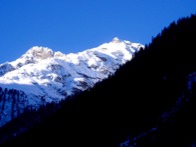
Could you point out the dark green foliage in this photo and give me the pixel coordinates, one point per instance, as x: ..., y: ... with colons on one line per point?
x: 128, y: 103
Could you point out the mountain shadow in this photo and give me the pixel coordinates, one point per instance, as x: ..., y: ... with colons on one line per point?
x: 130, y: 102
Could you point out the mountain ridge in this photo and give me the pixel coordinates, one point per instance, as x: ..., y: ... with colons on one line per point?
x: 48, y: 76
x: 149, y: 101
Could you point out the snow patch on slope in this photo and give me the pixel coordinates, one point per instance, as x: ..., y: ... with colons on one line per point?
x: 47, y: 76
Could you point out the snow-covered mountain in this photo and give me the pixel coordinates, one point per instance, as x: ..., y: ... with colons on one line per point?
x: 47, y: 76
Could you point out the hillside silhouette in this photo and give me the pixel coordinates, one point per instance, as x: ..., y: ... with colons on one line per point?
x: 130, y: 102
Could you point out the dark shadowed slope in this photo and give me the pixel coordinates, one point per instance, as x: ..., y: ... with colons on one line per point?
x: 130, y: 102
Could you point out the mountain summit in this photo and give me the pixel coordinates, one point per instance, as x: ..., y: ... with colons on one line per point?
x: 115, y: 40
x: 47, y: 76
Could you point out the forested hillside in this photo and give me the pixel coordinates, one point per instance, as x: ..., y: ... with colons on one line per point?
x: 132, y: 101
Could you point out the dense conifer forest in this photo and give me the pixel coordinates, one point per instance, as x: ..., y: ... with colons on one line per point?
x: 139, y: 97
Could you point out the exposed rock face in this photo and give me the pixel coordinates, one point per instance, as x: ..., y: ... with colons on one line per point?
x: 42, y: 73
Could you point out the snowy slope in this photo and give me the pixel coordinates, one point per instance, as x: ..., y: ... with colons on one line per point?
x: 48, y: 76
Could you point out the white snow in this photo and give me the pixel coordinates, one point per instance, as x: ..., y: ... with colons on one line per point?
x: 44, y: 74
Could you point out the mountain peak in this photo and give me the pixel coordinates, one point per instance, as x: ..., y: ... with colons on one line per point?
x: 46, y: 76
x: 115, y: 40
x: 40, y: 52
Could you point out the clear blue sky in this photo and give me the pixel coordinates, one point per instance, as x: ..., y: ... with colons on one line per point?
x: 75, y: 25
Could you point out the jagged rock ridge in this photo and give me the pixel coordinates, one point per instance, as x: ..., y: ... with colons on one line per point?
x: 47, y: 76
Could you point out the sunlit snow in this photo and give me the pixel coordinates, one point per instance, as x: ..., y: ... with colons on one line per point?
x: 46, y: 76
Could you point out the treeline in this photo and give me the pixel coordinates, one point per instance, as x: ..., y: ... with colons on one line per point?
x: 128, y: 103
x: 11, y: 104
x: 17, y: 117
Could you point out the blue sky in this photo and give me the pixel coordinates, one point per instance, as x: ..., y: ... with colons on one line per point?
x: 74, y: 25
